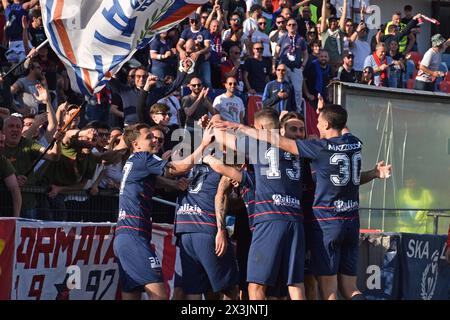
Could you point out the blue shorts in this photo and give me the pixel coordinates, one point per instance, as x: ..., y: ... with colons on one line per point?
x: 334, y: 250
x: 202, y: 271
x: 277, y: 253
x: 138, y: 263
x: 307, y: 227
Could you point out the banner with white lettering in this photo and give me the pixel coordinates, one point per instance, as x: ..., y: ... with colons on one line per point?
x: 64, y: 261
x: 379, y: 265
x: 94, y: 38
x: 425, y: 274
x: 73, y: 261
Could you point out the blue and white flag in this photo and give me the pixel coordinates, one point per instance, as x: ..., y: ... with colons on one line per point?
x: 94, y: 38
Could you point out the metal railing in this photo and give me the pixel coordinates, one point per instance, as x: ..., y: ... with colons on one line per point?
x: 414, y: 220
x: 83, y: 207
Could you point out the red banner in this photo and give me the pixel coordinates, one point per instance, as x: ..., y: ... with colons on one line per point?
x: 43, y: 260
x: 254, y: 105
x: 311, y: 121
x: 7, y: 245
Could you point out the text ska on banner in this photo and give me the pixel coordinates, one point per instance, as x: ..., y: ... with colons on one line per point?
x: 64, y: 261
x: 94, y: 38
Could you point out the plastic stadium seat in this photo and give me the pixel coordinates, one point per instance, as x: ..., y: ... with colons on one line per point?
x: 416, y: 57
x: 410, y: 84
x: 445, y: 86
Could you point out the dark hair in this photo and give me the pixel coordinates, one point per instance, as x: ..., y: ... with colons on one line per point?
x: 131, y: 133
x: 289, y: 116
x: 153, y: 128
x: 232, y: 46
x: 117, y: 128
x: 29, y: 116
x: 255, y: 7
x: 269, y: 114
x: 408, y: 7
x: 311, y: 45
x: 95, y: 124
x: 36, y: 14
x: 141, y: 68
x: 336, y: 116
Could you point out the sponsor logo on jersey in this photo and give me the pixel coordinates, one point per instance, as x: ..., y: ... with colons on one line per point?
x: 286, y: 201
x: 343, y: 206
x: 188, y: 209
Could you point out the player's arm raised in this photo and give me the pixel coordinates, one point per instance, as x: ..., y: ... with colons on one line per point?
x: 273, y: 137
x: 381, y: 171
x: 179, y: 167
x: 223, y: 169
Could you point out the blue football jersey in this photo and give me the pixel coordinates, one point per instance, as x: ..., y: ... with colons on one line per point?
x: 278, y: 187
x: 308, y: 189
x: 196, y: 211
x: 337, y: 166
x: 136, y: 191
x: 247, y: 193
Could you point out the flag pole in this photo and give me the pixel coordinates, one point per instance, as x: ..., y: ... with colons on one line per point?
x: 66, y: 125
x: 23, y: 61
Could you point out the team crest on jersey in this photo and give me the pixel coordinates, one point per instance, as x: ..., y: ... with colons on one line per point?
x: 122, y: 214
x: 286, y: 201
x: 343, y: 206
x: 188, y: 209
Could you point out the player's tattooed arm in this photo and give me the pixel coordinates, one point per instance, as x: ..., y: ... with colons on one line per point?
x: 223, y: 169
x: 270, y: 136
x: 220, y: 203
x: 381, y: 171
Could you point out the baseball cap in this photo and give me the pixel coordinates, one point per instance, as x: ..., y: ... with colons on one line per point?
x: 194, y: 16
x: 437, y: 40
x: 348, y: 53
x: 332, y: 18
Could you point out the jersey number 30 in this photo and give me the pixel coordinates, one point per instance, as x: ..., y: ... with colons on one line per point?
x: 346, y: 169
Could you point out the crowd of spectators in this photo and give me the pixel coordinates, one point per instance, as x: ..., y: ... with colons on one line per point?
x: 286, y: 52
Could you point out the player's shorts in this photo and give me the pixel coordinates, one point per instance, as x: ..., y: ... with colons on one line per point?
x: 203, y: 271
x: 277, y: 253
x: 307, y: 228
x: 138, y: 263
x: 334, y: 250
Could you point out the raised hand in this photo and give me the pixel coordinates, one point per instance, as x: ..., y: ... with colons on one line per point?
x: 208, y: 135
x: 42, y: 93
x: 150, y: 82
x: 320, y: 103
x: 221, y: 124
x: 383, y: 171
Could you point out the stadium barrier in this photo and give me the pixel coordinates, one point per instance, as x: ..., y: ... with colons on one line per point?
x: 405, y: 266
x: 43, y: 260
